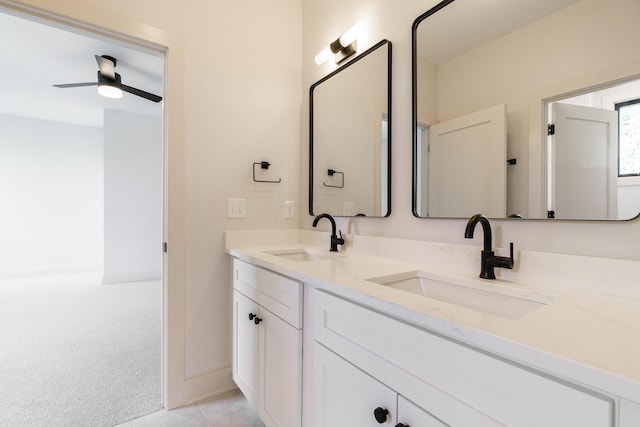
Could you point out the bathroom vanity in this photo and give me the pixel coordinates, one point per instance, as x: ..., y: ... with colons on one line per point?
x: 352, y: 339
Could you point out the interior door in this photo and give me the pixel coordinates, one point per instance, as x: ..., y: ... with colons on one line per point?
x: 584, y: 162
x: 468, y: 155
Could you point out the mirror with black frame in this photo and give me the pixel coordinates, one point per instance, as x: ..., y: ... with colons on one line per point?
x: 527, y: 109
x: 350, y: 137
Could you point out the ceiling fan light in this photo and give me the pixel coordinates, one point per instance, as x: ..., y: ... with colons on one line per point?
x: 109, y: 91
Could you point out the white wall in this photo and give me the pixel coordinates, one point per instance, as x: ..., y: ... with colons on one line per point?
x: 233, y: 97
x: 51, y: 197
x: 132, y: 197
x: 393, y: 20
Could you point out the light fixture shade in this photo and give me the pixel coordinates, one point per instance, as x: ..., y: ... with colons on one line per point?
x: 351, y: 35
x: 342, y: 47
x: 110, y: 88
x: 324, y: 55
x: 109, y: 91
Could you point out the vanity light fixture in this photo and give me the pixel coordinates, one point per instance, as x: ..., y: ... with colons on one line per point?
x: 341, y: 48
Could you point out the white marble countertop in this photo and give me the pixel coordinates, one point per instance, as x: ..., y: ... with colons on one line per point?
x: 584, y: 337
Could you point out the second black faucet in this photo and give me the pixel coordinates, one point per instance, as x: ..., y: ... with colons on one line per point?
x: 489, y: 260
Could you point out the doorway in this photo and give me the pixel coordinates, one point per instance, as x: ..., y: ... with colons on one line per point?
x: 584, y: 176
x: 63, y: 275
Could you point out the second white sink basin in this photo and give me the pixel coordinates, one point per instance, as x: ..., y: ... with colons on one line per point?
x: 300, y: 254
x: 482, y: 295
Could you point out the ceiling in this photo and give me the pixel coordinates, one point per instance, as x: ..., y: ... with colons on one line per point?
x: 464, y: 25
x: 34, y: 56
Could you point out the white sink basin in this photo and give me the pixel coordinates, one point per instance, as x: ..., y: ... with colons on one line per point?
x: 300, y: 254
x: 482, y: 295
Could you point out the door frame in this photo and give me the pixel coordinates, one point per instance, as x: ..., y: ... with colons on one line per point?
x: 94, y: 22
x: 566, y: 116
x: 538, y: 119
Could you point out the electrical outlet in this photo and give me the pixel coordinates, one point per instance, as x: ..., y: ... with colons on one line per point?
x: 289, y: 209
x: 236, y: 208
x: 348, y: 208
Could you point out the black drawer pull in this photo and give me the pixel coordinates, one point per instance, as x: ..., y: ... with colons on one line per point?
x: 380, y: 414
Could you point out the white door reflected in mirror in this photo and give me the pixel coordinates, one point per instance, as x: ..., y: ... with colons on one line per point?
x: 469, y: 56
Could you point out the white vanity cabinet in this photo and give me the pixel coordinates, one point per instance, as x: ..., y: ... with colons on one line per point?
x: 267, y: 343
x: 347, y: 396
x: 411, y: 415
x: 455, y: 383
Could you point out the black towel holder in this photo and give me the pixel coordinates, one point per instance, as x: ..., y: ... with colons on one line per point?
x: 332, y: 172
x: 263, y: 165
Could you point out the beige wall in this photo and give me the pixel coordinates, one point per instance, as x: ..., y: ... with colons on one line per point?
x: 236, y: 95
x: 233, y: 98
x: 393, y: 20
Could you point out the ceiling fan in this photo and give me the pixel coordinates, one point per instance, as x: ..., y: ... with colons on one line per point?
x: 109, y: 82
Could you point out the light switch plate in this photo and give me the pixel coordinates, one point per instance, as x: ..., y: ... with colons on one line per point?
x: 289, y: 209
x: 236, y: 208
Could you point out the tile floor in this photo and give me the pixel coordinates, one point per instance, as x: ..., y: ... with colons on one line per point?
x: 229, y: 409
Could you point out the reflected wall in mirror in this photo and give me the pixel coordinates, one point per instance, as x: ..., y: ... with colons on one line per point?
x: 488, y: 80
x: 350, y: 137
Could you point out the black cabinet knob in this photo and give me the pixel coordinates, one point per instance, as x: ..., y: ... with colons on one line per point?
x: 402, y: 425
x: 255, y: 318
x: 380, y: 414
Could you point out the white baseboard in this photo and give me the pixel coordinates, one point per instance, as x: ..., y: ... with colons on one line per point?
x: 209, y: 384
x: 52, y: 271
x: 109, y: 279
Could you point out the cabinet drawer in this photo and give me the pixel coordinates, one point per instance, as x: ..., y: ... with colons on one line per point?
x: 411, y: 415
x: 344, y: 396
x: 279, y: 294
x: 454, y: 382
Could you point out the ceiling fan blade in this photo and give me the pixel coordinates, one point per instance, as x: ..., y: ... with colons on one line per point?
x: 146, y: 95
x: 76, y: 85
x: 107, y: 66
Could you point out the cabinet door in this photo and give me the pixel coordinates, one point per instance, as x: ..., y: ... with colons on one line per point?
x: 280, y: 372
x: 245, y: 347
x: 409, y: 415
x: 344, y: 396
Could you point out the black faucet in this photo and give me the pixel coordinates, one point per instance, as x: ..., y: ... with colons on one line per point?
x: 335, y: 240
x: 489, y: 260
